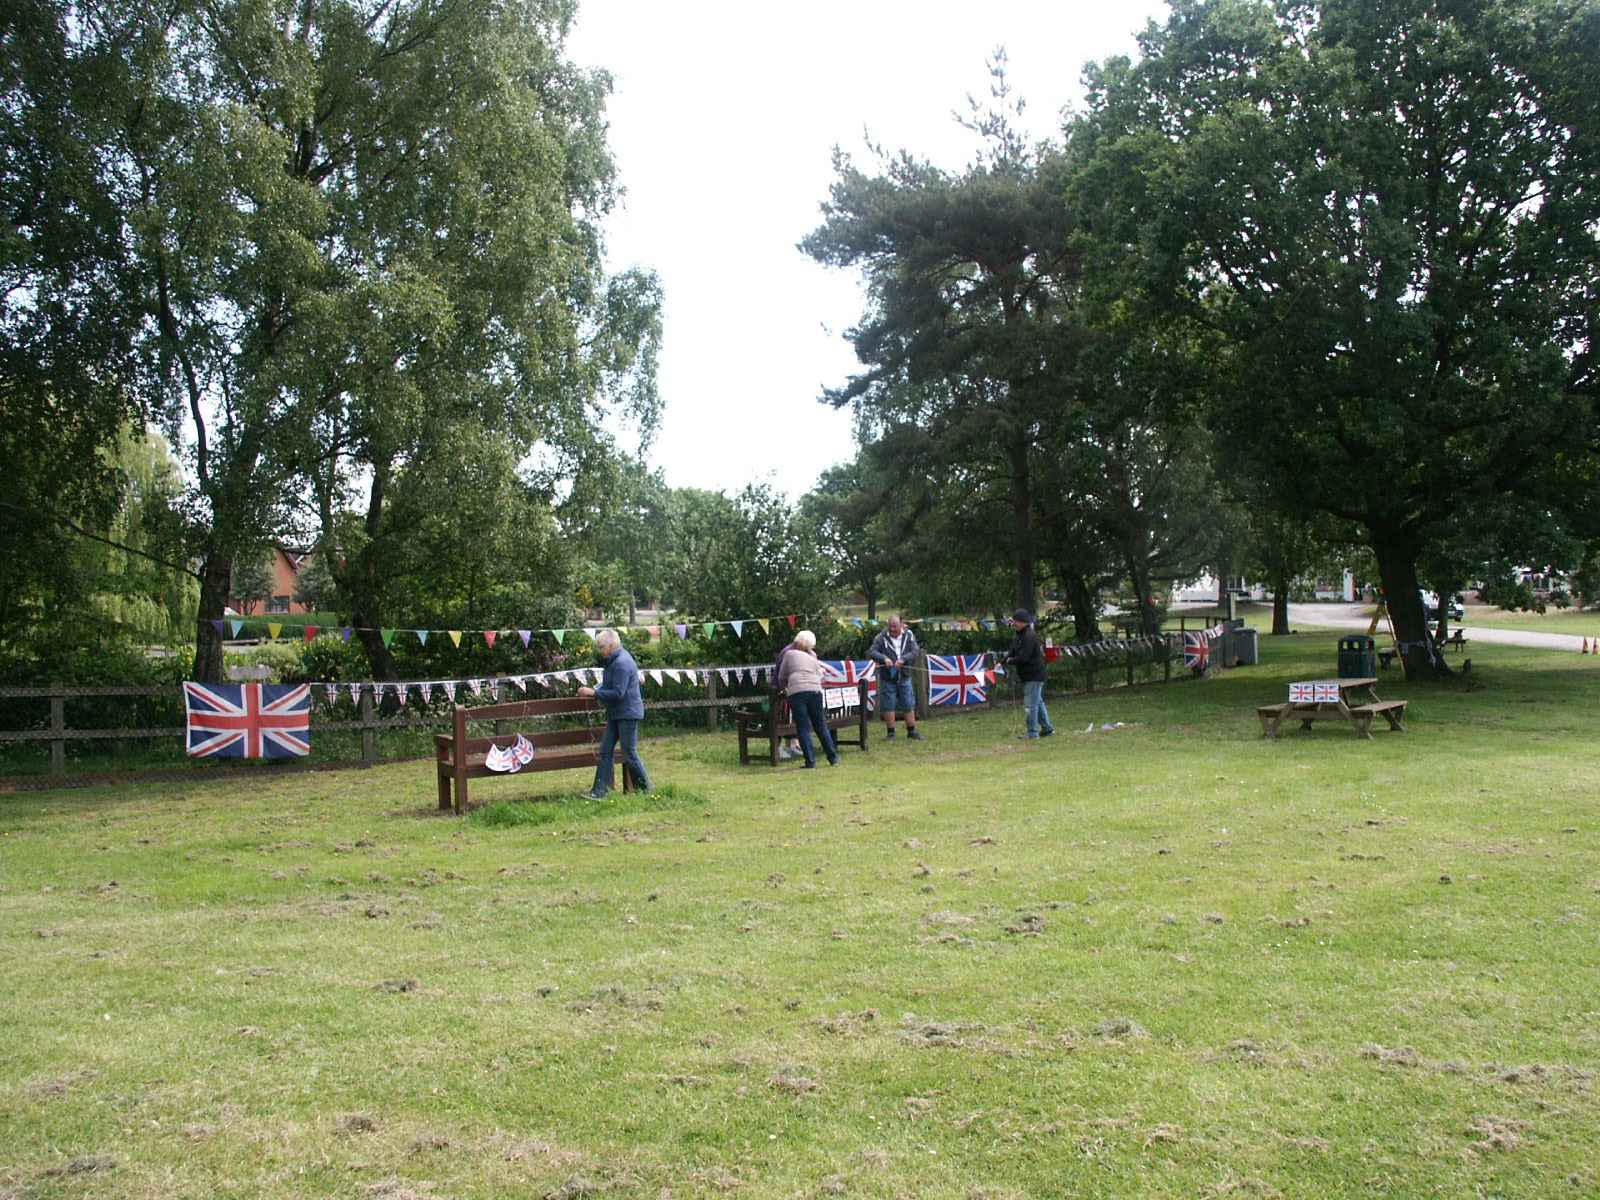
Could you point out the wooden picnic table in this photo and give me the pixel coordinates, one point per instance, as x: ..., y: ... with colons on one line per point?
x: 1357, y: 702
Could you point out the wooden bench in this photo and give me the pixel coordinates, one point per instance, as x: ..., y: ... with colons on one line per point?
x: 1393, y: 711
x: 1457, y: 638
x: 775, y: 725
x: 460, y: 758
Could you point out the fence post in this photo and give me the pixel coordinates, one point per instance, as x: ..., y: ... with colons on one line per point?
x: 919, y: 683
x: 58, y: 725
x: 369, y: 735
x: 1129, y: 648
x: 1166, y: 659
x: 711, y: 695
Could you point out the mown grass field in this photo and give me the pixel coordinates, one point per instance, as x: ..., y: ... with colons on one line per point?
x: 1167, y: 960
x: 1572, y: 621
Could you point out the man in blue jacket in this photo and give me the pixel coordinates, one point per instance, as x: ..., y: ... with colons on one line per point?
x: 619, y: 692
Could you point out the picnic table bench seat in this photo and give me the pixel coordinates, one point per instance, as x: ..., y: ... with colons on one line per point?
x: 459, y: 758
x: 1392, y: 711
x: 774, y: 725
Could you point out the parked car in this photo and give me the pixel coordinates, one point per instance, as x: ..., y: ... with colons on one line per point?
x: 1453, y: 607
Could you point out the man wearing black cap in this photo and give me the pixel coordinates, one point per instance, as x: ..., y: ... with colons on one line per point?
x: 1027, y: 657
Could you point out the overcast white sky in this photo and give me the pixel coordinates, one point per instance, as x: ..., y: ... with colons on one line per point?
x: 723, y: 122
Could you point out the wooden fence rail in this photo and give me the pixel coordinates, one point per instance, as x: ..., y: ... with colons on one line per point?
x: 370, y: 724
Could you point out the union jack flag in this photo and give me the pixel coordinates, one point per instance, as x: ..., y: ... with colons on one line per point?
x: 1197, y: 650
x: 837, y: 673
x: 248, y: 720
x: 955, y: 679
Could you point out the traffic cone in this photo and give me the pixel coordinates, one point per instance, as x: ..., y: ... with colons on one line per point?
x: 1585, y: 649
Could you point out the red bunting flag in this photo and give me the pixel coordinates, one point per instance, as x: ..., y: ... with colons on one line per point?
x: 489, y: 635
x: 310, y: 633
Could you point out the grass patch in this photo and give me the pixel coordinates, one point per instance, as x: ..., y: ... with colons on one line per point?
x: 512, y: 814
x: 1172, y: 959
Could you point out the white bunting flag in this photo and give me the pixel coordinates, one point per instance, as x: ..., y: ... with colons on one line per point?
x: 355, y: 692
x: 738, y: 628
x: 449, y: 686
x: 655, y: 677
x: 333, y: 693
x: 724, y: 675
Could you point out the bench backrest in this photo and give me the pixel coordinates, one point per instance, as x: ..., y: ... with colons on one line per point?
x: 546, y: 740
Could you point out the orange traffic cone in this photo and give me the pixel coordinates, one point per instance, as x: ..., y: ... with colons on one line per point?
x: 1585, y: 649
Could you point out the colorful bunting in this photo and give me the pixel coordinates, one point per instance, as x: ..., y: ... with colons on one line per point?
x: 560, y: 636
x: 273, y: 629
x: 455, y: 637
x: 710, y: 628
x: 489, y: 635
x: 387, y: 635
x: 235, y: 626
x: 345, y: 633
x: 524, y: 634
x: 309, y: 632
x: 765, y: 624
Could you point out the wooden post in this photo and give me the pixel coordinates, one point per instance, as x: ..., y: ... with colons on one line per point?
x: 369, y: 735
x: 1130, y: 663
x: 1166, y: 659
x: 919, y: 684
x: 58, y: 726
x: 711, y: 695
x: 1090, y: 673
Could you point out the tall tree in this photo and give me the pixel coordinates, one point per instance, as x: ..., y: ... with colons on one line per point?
x: 1388, y: 216
x: 853, y: 516
x: 341, y: 228
x: 969, y: 278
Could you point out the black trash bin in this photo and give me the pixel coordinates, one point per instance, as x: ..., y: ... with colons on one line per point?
x: 1358, y: 658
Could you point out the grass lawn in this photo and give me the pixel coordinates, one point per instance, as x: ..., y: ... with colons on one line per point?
x: 1578, y: 624
x: 1168, y: 960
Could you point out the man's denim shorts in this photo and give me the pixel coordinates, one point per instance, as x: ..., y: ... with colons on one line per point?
x: 896, y: 695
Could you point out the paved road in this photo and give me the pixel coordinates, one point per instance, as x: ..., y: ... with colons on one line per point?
x: 1358, y: 616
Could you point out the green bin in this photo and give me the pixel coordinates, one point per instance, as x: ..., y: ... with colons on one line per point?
x: 1358, y: 659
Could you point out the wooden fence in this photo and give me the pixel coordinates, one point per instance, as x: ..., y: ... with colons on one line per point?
x: 369, y: 723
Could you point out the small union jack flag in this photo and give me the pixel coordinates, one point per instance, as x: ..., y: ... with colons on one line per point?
x: 955, y: 679
x: 837, y: 673
x: 248, y: 720
x: 1197, y: 650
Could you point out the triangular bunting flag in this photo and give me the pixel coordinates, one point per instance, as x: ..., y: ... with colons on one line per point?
x: 217, y: 625
x: 724, y: 675
x: 489, y: 635
x: 738, y: 628
x: 387, y: 635
x: 235, y: 626
x: 455, y: 637
x: 766, y: 625
x: 355, y: 692
x: 449, y: 686
x: 655, y: 677
x: 309, y: 632
x: 682, y: 631
x: 422, y: 636
x: 273, y: 629
x: 655, y: 632
x: 560, y: 636
x: 524, y: 634
x: 344, y: 634
x: 333, y: 693
x: 710, y: 628
x: 791, y: 618
x: 476, y: 685
x: 494, y: 689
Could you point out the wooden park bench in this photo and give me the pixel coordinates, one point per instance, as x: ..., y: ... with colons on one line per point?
x: 775, y: 725
x: 1393, y: 711
x: 460, y: 758
x: 1457, y: 639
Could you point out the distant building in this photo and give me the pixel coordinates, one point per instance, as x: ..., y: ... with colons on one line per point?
x: 1208, y: 589
x: 286, y: 567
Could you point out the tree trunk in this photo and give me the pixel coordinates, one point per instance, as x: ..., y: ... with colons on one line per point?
x: 1139, y: 577
x: 872, y: 603
x: 1280, y: 604
x: 1397, y: 567
x: 1081, y: 600
x: 216, y: 578
x: 1021, y: 524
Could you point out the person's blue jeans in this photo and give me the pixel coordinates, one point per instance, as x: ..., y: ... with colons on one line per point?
x: 895, y: 694
x: 807, y: 710
x: 626, y: 734
x: 1038, y: 714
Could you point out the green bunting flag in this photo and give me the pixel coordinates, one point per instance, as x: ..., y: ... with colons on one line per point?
x: 710, y: 627
x: 388, y: 636
x: 560, y: 636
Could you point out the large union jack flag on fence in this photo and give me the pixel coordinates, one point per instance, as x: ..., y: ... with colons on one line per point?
x: 956, y: 679
x: 838, y: 673
x: 248, y: 720
x: 1197, y: 650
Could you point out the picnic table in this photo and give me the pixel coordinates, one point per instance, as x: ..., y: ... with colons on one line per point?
x: 1354, y: 700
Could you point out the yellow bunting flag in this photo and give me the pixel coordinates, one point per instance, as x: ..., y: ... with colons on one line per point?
x: 274, y: 628
x: 765, y: 624
x: 455, y: 636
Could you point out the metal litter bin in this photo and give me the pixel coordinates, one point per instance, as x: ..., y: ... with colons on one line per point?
x: 1246, y: 650
x: 1358, y: 658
